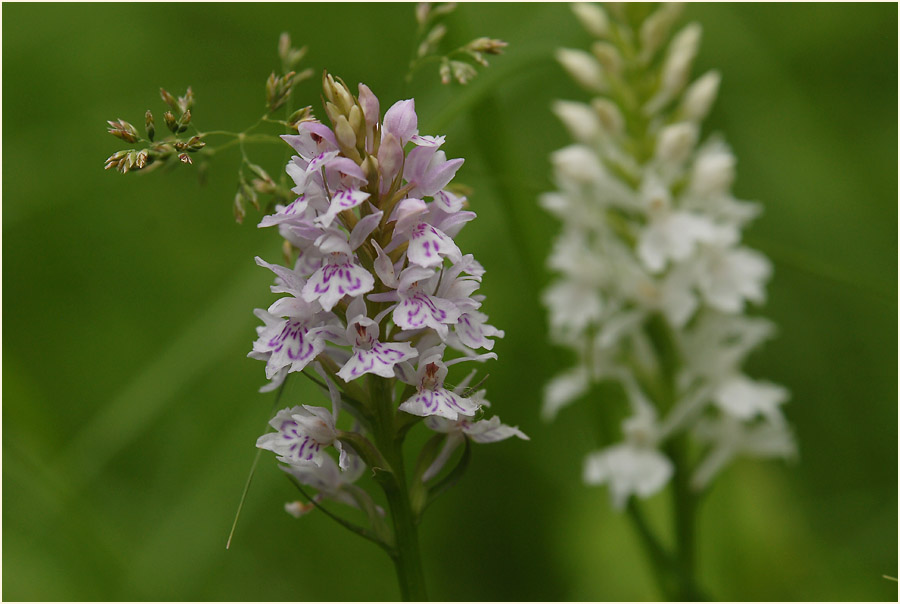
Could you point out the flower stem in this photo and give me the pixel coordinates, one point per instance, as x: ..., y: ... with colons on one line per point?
x: 659, y: 557
x: 684, y: 508
x: 684, y: 500
x: 407, y: 558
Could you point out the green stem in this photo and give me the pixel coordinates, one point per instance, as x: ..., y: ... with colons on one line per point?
x: 684, y: 500
x: 659, y: 557
x: 407, y: 558
x: 684, y: 508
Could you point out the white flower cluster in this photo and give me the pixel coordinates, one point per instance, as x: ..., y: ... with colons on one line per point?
x: 378, y: 289
x: 652, y: 279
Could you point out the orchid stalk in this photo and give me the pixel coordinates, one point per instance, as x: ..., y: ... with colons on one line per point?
x: 380, y: 302
x: 377, y: 303
x: 652, y: 281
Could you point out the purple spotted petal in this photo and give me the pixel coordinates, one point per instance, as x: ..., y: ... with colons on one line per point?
x: 293, y: 212
x: 440, y: 402
x: 449, y: 202
x: 311, y: 139
x: 335, y: 280
x: 421, y: 310
x: 289, y: 343
x: 474, y: 332
x: 491, y: 431
x: 428, y: 246
x: 292, y: 446
x: 342, y: 199
x: 379, y: 360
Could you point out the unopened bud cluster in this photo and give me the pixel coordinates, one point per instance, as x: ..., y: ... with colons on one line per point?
x: 652, y: 279
x: 376, y: 295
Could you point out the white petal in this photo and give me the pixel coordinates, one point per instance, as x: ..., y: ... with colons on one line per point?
x: 628, y: 470
x: 428, y: 246
x: 342, y: 199
x: 421, y: 310
x: 379, y: 360
x: 440, y: 402
x: 745, y: 398
x: 491, y: 431
x: 290, y: 344
x: 334, y: 281
x: 563, y: 389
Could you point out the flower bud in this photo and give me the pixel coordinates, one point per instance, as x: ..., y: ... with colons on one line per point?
x: 422, y: 10
x: 655, y: 29
x: 369, y: 103
x: 370, y: 169
x: 195, y: 144
x: 284, y: 45
x: 678, y: 63
x: 239, y: 212
x: 336, y: 92
x: 713, y: 170
x: 184, y: 120
x: 328, y: 86
x: 171, y: 122
x: 271, y: 86
x: 676, y: 142
x: 390, y: 158
x: 462, y: 72
x: 578, y: 163
x: 123, y: 130
x: 401, y: 121
x: 113, y: 160
x: 592, y: 18
x: 186, y: 102
x: 185, y: 158
x: 432, y: 40
x: 489, y: 46
x: 248, y: 192
x: 168, y: 98
x: 259, y: 171
x: 579, y: 119
x: 345, y: 135
x: 128, y: 162
x: 608, y: 56
x: 301, y: 115
x: 294, y: 57
x: 583, y: 68
x: 699, y: 97
x: 141, y: 159
x: 332, y: 111
x: 148, y: 125
x: 442, y: 9
x: 357, y: 122
x: 610, y: 116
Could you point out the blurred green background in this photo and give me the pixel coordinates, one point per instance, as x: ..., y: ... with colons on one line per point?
x: 130, y: 410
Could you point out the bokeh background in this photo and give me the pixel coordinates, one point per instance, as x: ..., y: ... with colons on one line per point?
x: 130, y: 410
